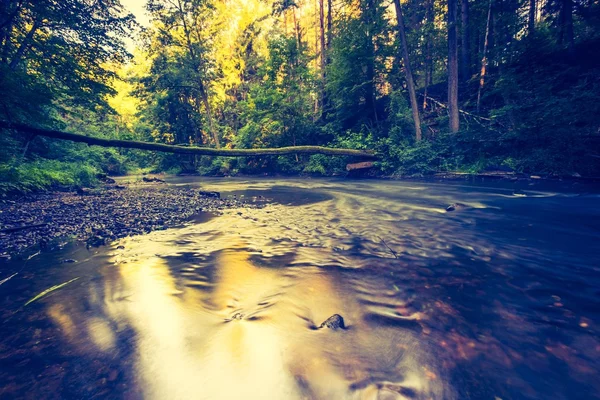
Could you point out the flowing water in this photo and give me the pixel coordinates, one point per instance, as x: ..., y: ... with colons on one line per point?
x: 499, y: 299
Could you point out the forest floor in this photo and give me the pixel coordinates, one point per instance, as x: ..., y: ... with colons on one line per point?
x: 98, y: 216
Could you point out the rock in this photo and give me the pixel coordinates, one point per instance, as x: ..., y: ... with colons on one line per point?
x: 334, y: 322
x: 216, y: 195
x: 456, y: 206
x: 152, y: 179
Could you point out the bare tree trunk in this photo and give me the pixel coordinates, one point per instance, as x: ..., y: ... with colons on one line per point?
x: 322, y: 36
x: 465, y: 49
x: 329, y: 25
x: 566, y: 27
x: 368, y: 16
x: 315, y: 116
x: 452, y: 68
x: 484, y: 57
x: 210, y: 120
x: 297, y: 29
x: 407, y: 70
x: 429, y: 13
x: 531, y: 18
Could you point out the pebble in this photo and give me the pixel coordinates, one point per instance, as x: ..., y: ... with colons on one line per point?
x: 102, y: 215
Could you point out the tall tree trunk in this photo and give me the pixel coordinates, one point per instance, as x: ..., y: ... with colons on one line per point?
x: 329, y: 26
x: 297, y: 30
x: 566, y: 26
x: 531, y: 18
x: 322, y: 36
x: 465, y: 49
x: 429, y: 13
x: 323, y: 57
x: 368, y: 17
x: 452, y: 68
x: 484, y: 57
x: 407, y: 70
x: 317, y: 97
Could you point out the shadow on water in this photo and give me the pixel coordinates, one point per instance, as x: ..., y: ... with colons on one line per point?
x: 497, y: 300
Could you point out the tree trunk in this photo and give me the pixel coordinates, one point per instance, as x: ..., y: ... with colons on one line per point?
x: 484, y: 57
x: 429, y: 13
x: 566, y: 27
x: 24, y: 46
x: 367, y: 16
x: 465, y: 42
x: 329, y: 26
x: 407, y: 70
x: 452, y: 68
x: 322, y: 36
x: 210, y: 119
x: 297, y: 30
x: 531, y: 18
x: 131, y: 144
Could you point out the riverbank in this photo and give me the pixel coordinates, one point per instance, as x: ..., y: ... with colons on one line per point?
x: 98, y: 216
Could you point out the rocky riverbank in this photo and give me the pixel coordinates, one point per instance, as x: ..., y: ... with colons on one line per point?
x: 98, y: 216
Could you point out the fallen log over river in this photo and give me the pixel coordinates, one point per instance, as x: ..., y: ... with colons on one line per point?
x: 167, y: 148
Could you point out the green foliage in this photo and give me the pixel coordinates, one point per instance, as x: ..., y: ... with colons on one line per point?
x: 44, y: 174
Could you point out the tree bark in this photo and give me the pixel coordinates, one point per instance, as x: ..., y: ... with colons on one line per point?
x: 452, y: 68
x: 429, y: 13
x: 322, y: 36
x: 408, y: 71
x: 131, y: 144
x: 368, y: 17
x: 484, y: 57
x: 465, y: 49
x: 566, y: 27
x: 329, y: 26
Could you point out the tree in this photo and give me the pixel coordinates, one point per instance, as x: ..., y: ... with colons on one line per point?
x: 407, y: 70
x: 180, y: 27
x: 453, y: 68
x: 58, y: 53
x: 465, y: 49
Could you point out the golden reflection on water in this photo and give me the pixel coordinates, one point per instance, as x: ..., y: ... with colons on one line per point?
x: 250, y: 335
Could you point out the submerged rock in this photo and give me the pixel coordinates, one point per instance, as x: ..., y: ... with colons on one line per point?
x: 334, y: 322
x: 456, y: 206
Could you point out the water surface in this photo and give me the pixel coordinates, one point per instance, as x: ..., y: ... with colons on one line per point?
x: 499, y: 299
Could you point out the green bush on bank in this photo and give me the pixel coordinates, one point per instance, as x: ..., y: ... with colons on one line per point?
x: 43, y: 175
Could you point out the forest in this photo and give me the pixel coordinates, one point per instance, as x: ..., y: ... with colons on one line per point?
x: 430, y: 86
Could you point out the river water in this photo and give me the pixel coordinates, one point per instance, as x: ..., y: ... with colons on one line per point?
x: 499, y: 299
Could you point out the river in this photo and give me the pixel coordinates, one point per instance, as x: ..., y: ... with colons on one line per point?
x: 498, y: 299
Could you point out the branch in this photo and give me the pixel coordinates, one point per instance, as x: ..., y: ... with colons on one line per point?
x: 460, y: 111
x: 131, y: 144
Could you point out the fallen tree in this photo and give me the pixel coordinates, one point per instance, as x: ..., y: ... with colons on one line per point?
x: 167, y: 148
